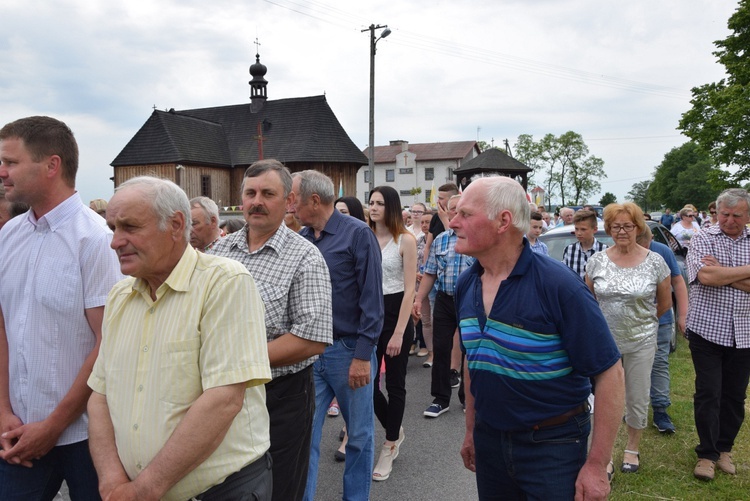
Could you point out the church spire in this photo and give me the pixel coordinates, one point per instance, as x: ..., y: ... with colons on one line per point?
x: 258, y: 84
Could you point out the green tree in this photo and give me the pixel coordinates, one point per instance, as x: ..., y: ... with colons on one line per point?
x: 683, y: 177
x: 719, y: 120
x: 584, y: 178
x: 565, y: 161
x: 607, y: 198
x: 638, y: 194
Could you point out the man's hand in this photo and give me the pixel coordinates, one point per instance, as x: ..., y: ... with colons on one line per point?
x: 112, y: 486
x: 9, y: 422
x: 467, y: 452
x: 710, y: 261
x: 31, y: 441
x: 592, y: 483
x: 359, y: 373
x: 128, y: 492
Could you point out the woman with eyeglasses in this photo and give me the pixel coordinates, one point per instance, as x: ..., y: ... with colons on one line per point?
x: 684, y: 229
x: 632, y: 286
x: 713, y: 217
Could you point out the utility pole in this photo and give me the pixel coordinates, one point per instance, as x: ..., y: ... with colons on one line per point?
x: 373, y: 42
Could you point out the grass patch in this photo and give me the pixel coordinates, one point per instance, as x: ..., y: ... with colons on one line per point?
x: 667, y: 461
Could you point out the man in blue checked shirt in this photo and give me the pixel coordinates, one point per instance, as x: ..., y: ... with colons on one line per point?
x: 443, y: 267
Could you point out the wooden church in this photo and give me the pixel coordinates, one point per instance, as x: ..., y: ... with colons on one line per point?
x: 206, y: 151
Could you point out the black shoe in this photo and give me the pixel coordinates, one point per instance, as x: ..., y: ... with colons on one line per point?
x: 455, y: 379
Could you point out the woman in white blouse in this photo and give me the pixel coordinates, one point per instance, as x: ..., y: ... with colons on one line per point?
x: 399, y: 251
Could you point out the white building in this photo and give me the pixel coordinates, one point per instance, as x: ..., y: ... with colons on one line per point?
x: 405, y: 167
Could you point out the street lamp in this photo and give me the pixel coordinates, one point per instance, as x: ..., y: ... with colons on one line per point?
x: 386, y: 31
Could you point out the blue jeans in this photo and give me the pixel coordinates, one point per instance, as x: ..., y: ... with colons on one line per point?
x: 660, y: 371
x: 331, y: 374
x: 71, y: 463
x: 535, y: 464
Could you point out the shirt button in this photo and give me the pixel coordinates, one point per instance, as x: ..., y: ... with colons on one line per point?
x: 140, y: 387
x: 138, y: 466
x: 135, y: 427
x: 145, y: 348
x: 151, y: 310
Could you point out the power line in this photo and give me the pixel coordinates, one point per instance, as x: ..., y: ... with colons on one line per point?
x: 341, y: 18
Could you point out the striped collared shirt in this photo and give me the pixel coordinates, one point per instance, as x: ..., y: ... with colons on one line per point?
x: 204, y: 330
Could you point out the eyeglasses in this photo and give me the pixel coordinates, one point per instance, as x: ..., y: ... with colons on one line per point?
x: 417, y: 212
x: 617, y: 228
x: 689, y: 215
x: 712, y: 212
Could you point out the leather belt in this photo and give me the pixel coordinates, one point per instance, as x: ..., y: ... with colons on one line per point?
x: 562, y: 418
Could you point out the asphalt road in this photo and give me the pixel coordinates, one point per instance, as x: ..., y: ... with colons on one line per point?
x: 428, y: 467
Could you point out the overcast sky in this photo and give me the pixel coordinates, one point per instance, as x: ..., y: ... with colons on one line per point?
x: 619, y: 73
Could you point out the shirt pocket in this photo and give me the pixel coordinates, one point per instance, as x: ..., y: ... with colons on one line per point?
x: 275, y: 298
x: 180, y: 379
x: 58, y: 285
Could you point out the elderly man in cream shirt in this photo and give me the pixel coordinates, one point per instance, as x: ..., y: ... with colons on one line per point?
x: 178, y: 409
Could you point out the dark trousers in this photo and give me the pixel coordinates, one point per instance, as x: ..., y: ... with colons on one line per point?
x: 251, y: 483
x: 443, y: 328
x: 71, y: 463
x: 721, y: 379
x: 390, y: 411
x: 538, y: 464
x: 291, y: 403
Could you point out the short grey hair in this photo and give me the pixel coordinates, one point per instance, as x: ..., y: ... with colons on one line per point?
x: 504, y: 193
x: 732, y: 197
x: 209, y: 207
x: 271, y: 165
x: 314, y: 182
x: 166, y: 199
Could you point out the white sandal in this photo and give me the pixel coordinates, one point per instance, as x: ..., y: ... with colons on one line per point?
x: 385, y: 463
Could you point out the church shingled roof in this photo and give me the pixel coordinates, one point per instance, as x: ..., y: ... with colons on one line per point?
x: 301, y: 129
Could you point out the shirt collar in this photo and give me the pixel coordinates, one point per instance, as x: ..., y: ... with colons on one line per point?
x: 178, y: 279
x: 238, y: 240
x: 715, y: 229
x: 520, y: 268
x: 57, y: 216
x: 332, y: 225
x: 524, y: 260
x: 211, y: 245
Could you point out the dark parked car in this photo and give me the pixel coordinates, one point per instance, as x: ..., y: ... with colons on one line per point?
x: 559, y: 238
